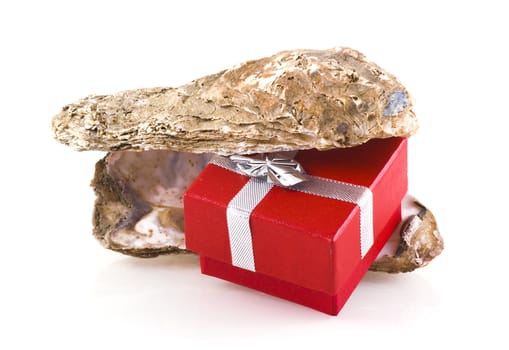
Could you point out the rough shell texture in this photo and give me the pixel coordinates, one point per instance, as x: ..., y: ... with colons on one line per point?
x: 293, y: 100
x: 420, y: 242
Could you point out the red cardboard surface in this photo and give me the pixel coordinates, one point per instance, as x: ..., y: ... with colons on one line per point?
x: 306, y: 247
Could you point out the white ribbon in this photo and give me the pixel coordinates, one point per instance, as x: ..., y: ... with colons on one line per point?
x: 243, y: 203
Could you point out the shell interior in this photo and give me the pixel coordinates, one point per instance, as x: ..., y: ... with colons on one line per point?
x: 158, y: 179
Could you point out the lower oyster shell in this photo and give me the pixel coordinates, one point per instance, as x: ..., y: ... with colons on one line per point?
x: 139, y: 210
x: 419, y: 241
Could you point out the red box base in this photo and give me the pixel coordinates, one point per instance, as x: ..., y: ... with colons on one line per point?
x: 330, y: 304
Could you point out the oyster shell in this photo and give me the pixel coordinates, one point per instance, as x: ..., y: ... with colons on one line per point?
x: 293, y: 100
x: 159, y: 139
x: 138, y: 210
x: 419, y: 242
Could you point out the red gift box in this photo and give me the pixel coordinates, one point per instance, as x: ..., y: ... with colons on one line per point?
x: 311, y: 243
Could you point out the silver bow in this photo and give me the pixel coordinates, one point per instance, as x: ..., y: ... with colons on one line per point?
x: 280, y: 171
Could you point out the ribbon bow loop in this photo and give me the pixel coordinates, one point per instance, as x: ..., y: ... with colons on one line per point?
x: 280, y: 171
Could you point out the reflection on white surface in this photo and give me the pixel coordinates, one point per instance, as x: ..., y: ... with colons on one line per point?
x: 148, y: 291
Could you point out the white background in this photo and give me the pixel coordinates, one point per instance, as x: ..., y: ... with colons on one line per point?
x: 59, y: 288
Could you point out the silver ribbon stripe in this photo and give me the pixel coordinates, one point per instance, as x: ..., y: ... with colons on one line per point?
x: 243, y: 203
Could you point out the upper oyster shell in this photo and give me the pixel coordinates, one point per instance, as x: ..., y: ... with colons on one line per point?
x: 293, y: 100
